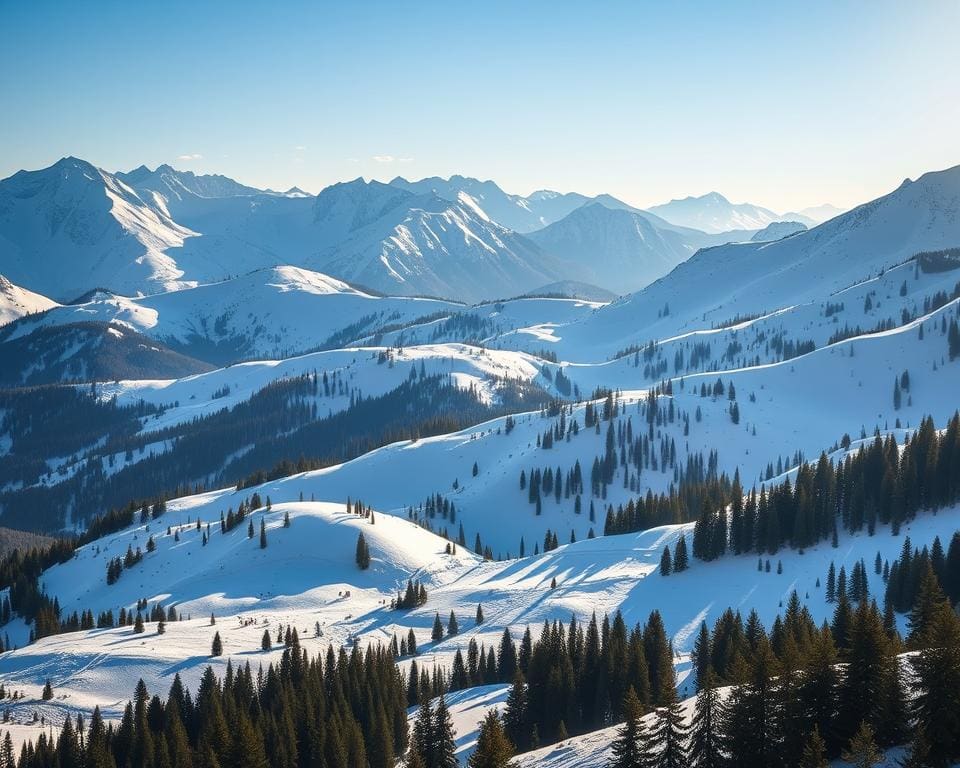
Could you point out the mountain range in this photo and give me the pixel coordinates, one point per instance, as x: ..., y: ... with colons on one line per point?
x: 72, y: 226
x: 713, y: 441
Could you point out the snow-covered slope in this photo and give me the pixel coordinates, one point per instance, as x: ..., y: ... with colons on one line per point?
x: 306, y: 577
x: 270, y: 313
x: 16, y: 302
x: 719, y: 285
x: 712, y: 212
x: 71, y: 227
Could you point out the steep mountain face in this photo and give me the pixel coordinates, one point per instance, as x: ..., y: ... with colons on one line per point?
x: 71, y: 226
x: 617, y: 249
x: 521, y: 214
x: 428, y: 246
x: 778, y: 230
x: 270, y: 313
x: 16, y: 302
x: 714, y: 213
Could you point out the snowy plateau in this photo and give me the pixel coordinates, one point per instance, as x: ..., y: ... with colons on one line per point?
x: 251, y: 412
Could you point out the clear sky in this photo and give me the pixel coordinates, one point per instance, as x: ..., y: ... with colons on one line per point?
x: 782, y: 104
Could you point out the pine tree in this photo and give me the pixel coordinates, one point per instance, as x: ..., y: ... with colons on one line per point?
x: 668, y: 739
x: 666, y: 565
x: 363, y: 553
x: 479, y: 618
x: 443, y: 745
x: 515, y: 717
x: 216, y: 648
x: 814, y: 752
x: 862, y: 751
x: 494, y: 749
x: 936, y: 670
x: 630, y: 747
x: 705, y: 744
x: 266, y: 643
x: 437, y: 634
x: 263, y: 533
x: 47, y: 691
x: 138, y: 624
x: 421, y: 742
x: 680, y: 557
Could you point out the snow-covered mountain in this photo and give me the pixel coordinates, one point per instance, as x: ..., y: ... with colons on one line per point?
x: 71, y: 227
x: 816, y: 214
x: 713, y: 213
x: 16, y: 302
x: 617, y: 249
x: 521, y: 214
x: 402, y: 243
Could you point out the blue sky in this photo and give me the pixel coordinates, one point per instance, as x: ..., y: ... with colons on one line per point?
x: 785, y: 105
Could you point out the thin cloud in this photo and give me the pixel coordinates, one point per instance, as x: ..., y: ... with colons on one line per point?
x: 190, y: 158
x: 300, y: 148
x: 405, y: 160
x: 383, y: 158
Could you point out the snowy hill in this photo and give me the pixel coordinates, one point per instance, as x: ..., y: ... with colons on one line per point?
x: 16, y: 302
x: 778, y: 230
x: 270, y: 313
x: 87, y: 351
x: 572, y: 289
x: 714, y: 213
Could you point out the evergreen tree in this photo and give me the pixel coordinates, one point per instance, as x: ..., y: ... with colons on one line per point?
x: 363, y: 553
x: 630, y: 747
x: 705, y: 742
x: 216, y: 648
x: 814, y: 752
x: 266, y: 643
x: 443, y: 746
x: 665, y: 562
x: 936, y: 671
x: 515, y: 717
x: 680, y: 557
x: 668, y: 740
x: 263, y: 533
x: 862, y: 752
x: 494, y: 749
